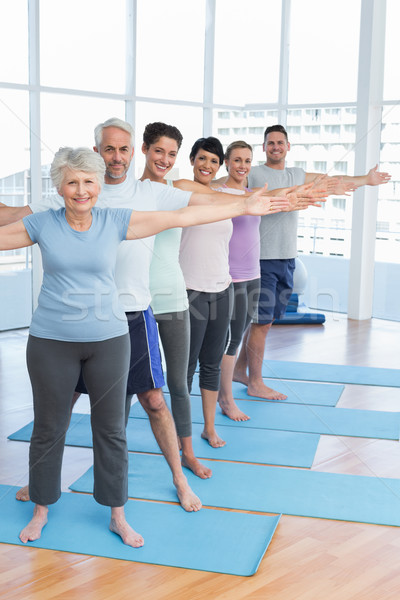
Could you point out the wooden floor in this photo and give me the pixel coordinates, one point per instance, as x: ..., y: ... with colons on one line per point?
x: 307, y: 559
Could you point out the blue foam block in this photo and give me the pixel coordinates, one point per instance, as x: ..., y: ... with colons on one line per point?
x: 298, y: 318
x: 270, y: 489
x: 331, y: 373
x: 267, y: 446
x: 208, y: 540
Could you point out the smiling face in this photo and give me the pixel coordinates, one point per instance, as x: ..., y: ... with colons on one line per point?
x: 239, y: 164
x: 117, y: 151
x: 80, y: 191
x: 276, y: 147
x: 160, y: 158
x: 205, y: 166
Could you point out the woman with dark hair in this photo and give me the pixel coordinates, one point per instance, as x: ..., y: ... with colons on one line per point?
x: 161, y: 143
x: 204, y: 258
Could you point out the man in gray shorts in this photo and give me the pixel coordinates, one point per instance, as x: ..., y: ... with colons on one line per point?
x: 278, y: 235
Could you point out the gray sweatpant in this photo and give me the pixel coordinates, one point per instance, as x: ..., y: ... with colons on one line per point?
x: 54, y: 368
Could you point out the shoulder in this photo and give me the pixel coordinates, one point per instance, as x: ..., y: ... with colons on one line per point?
x: 54, y: 202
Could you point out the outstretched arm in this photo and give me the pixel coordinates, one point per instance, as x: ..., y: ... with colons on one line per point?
x: 203, y: 196
x: 14, y: 236
x: 348, y: 183
x: 146, y: 223
x: 373, y: 177
x: 10, y: 214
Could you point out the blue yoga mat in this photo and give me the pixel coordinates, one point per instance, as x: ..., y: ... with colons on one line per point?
x: 270, y: 489
x: 208, y: 540
x: 332, y: 373
x: 297, y: 392
x: 323, y: 420
x: 291, y: 449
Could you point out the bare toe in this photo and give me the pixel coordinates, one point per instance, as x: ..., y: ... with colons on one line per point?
x: 229, y: 409
x: 129, y: 536
x: 33, y: 530
x: 23, y: 494
x: 187, y: 498
x: 263, y: 391
x: 213, y: 439
x: 192, y: 463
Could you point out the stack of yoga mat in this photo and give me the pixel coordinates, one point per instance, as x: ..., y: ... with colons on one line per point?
x: 264, y: 468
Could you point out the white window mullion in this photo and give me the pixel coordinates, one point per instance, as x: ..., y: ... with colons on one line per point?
x: 131, y: 53
x: 284, y: 63
x: 35, y: 131
x: 208, y: 92
x: 368, y: 134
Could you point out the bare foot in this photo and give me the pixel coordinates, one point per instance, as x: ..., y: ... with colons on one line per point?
x: 23, y: 494
x: 187, y: 498
x: 192, y: 463
x: 234, y: 413
x: 240, y: 377
x: 33, y: 530
x: 231, y: 410
x: 260, y: 390
x: 129, y: 536
x: 213, y: 439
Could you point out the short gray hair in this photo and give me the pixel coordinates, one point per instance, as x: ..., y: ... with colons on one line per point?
x: 76, y: 159
x: 113, y: 122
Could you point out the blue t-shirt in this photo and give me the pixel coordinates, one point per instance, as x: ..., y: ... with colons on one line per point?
x: 78, y: 300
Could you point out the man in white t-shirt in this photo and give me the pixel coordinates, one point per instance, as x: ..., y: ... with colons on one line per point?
x: 278, y: 236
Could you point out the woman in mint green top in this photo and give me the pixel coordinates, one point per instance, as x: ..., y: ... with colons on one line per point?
x: 169, y: 301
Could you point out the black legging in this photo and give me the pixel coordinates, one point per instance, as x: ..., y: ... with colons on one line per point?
x: 210, y: 313
x: 54, y: 368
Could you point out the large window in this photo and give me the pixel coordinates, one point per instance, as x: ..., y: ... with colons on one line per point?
x: 14, y: 164
x: 246, y: 67
x: 324, y: 38
x: 170, y: 49
x: 14, y: 41
x: 211, y: 67
x: 321, y: 144
x: 83, y: 45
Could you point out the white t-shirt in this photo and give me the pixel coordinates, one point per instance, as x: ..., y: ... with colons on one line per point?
x: 204, y: 256
x: 133, y: 257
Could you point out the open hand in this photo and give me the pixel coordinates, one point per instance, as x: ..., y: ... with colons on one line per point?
x: 375, y: 177
x: 259, y: 203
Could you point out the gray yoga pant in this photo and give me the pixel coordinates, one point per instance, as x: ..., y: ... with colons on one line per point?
x: 245, y: 303
x: 54, y: 368
x: 174, y: 331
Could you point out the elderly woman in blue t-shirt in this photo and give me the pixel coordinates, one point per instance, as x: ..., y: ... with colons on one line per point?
x: 79, y: 323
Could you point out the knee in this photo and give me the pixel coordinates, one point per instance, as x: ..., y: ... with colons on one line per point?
x: 152, y: 400
x: 177, y: 386
x: 209, y: 377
